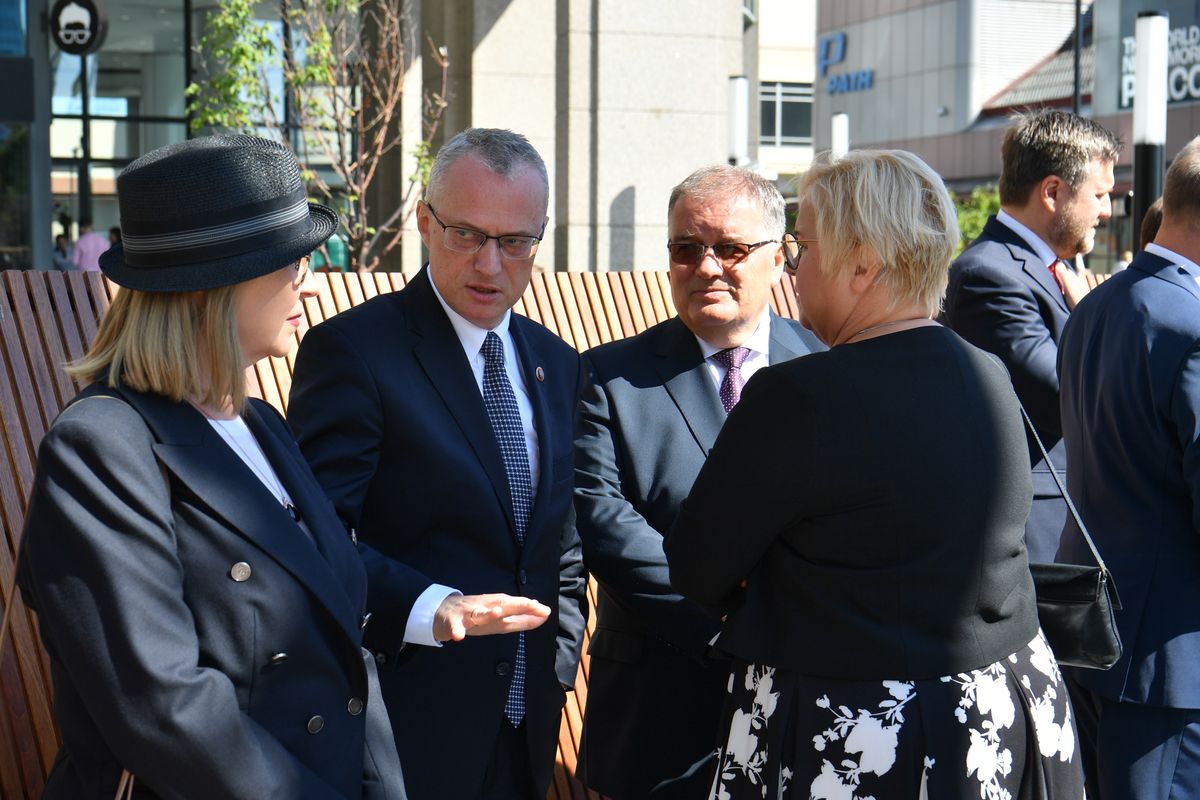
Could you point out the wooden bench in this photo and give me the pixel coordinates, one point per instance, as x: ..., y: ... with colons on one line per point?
x: 47, y: 319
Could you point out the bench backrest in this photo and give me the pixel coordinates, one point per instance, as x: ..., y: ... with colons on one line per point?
x: 47, y: 319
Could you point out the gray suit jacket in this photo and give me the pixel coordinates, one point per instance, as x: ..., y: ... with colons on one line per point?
x: 650, y: 414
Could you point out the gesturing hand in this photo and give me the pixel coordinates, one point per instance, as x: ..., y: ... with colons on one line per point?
x: 460, y: 616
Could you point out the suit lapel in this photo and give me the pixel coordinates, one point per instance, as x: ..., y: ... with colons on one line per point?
x: 327, y: 531
x: 189, y: 447
x: 441, y: 356
x: 688, y: 382
x: 530, y: 364
x: 1028, y: 260
x: 785, y: 345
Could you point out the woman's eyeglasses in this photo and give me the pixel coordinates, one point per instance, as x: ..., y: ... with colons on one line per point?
x: 793, y: 251
x: 727, y: 254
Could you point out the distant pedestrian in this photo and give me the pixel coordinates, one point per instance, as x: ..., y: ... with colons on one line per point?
x: 114, y: 236
x: 89, y: 247
x: 62, y: 253
x: 1123, y: 262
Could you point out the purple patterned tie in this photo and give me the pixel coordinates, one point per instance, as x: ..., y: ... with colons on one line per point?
x: 732, y: 383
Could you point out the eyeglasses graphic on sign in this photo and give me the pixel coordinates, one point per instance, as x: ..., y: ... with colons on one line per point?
x: 78, y: 26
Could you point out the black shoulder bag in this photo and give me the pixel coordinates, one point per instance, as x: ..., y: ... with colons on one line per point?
x: 1076, y: 603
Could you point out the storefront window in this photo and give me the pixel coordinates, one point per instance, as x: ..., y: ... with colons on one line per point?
x: 12, y: 27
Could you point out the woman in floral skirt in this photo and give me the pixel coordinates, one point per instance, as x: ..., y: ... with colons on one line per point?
x: 859, y: 525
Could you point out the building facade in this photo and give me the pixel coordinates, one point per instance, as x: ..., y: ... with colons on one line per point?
x: 940, y: 78
x: 622, y: 98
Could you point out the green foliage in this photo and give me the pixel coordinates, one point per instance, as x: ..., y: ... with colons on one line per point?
x: 974, y: 210
x: 234, y: 95
x: 343, y: 73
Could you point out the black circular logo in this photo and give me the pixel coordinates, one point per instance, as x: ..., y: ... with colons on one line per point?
x: 78, y: 26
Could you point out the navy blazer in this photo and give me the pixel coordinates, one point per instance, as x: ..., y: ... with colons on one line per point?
x: 196, y: 635
x: 649, y: 417
x: 390, y: 417
x: 1002, y: 298
x: 1130, y: 364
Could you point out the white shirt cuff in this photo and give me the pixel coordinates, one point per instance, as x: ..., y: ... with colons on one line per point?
x: 419, y: 629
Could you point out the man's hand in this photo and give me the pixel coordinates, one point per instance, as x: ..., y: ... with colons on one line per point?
x: 1074, y: 285
x: 461, y: 616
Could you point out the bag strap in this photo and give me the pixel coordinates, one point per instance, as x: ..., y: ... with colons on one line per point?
x: 1087, y: 537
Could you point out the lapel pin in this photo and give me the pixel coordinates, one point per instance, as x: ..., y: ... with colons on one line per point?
x: 540, y: 374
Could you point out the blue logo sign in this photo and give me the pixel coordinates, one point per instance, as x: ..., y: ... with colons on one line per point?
x: 831, y: 50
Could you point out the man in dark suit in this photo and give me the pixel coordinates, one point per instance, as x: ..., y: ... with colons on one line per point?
x: 1130, y: 367
x: 1011, y: 291
x: 651, y: 410
x: 441, y: 425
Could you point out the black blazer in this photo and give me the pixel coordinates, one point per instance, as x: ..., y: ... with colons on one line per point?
x: 196, y: 635
x: 850, y: 490
x: 649, y: 416
x: 1131, y: 418
x: 1002, y: 298
x: 388, y: 413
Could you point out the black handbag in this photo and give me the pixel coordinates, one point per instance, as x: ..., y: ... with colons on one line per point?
x: 1076, y: 603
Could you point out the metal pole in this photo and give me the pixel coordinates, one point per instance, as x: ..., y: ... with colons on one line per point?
x: 839, y: 125
x: 1077, y: 100
x: 1149, y: 112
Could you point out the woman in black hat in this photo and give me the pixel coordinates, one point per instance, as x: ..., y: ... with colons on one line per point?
x: 201, y: 604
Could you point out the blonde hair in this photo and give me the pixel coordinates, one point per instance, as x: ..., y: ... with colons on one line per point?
x: 889, y: 206
x: 178, y: 344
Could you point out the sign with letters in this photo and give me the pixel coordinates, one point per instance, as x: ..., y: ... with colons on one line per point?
x: 78, y: 26
x: 831, y: 51
x: 1183, y: 51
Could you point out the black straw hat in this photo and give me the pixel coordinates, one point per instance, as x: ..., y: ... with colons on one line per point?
x: 212, y: 211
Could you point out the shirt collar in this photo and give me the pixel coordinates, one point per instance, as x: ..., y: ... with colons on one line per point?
x: 1170, y: 255
x: 759, y: 341
x: 1034, y: 241
x: 469, y: 334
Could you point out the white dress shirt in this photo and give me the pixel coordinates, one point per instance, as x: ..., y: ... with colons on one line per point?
x: 419, y: 628
x: 1034, y: 241
x: 759, y: 345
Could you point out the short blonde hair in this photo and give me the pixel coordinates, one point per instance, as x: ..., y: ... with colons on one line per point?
x: 1181, y: 189
x: 178, y: 344
x: 890, y: 206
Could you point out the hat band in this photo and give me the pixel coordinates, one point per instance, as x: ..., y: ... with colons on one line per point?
x: 217, y: 234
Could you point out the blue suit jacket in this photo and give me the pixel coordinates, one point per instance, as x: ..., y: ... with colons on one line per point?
x: 650, y: 414
x: 1130, y: 364
x: 1002, y: 299
x: 201, y: 684
x: 388, y: 414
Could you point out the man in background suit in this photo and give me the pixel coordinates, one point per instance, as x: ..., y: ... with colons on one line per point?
x: 441, y: 425
x: 1130, y: 367
x: 1010, y: 292
x: 651, y: 410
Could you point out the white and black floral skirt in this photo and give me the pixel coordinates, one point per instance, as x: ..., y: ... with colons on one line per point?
x: 1002, y: 732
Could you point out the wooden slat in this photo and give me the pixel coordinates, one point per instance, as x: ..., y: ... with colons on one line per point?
x: 47, y: 319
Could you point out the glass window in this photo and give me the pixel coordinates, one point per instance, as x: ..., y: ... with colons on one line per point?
x: 12, y: 27
x: 125, y: 140
x: 15, y: 201
x: 786, y: 114
x: 139, y: 71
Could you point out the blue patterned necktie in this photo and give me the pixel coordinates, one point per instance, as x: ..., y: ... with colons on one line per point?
x: 501, y: 405
x: 732, y: 383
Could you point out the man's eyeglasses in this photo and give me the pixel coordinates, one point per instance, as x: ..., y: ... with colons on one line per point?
x: 727, y: 254
x: 793, y: 251
x: 464, y: 240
